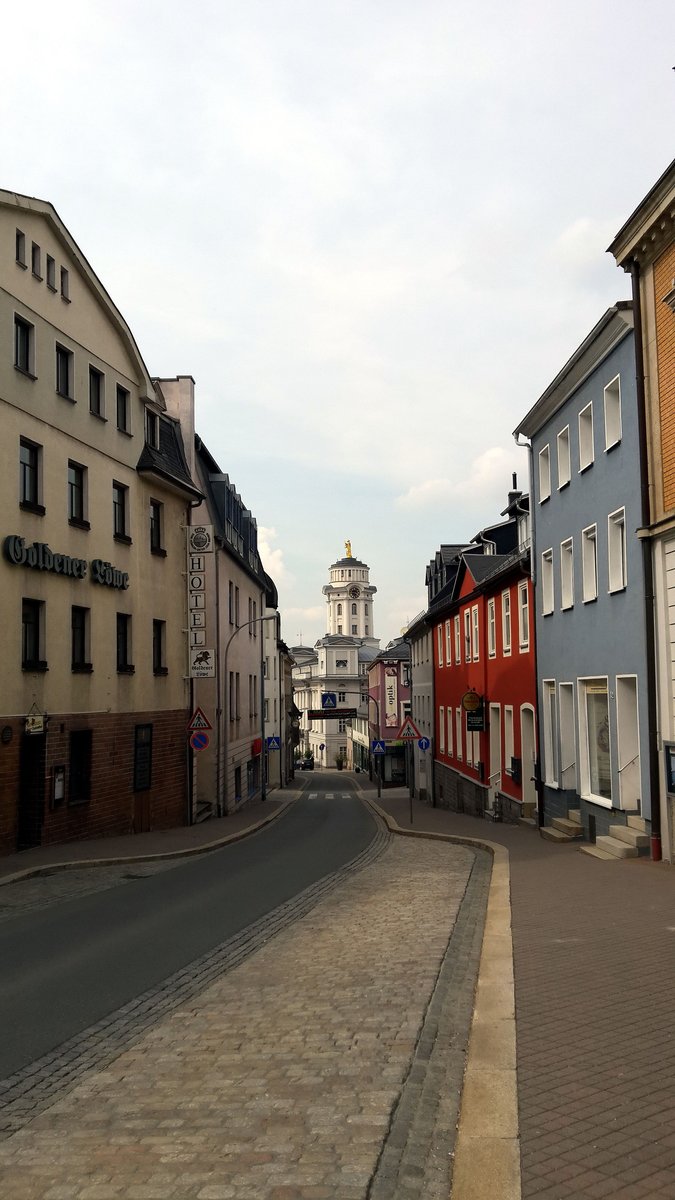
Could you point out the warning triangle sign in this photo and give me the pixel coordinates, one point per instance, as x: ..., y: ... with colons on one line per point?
x: 408, y: 730
x: 199, y: 720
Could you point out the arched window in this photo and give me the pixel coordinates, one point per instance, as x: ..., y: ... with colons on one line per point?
x: 353, y: 610
x: 339, y: 611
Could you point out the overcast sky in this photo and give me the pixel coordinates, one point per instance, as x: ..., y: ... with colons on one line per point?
x: 372, y: 230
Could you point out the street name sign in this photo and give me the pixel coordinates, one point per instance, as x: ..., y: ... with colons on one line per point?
x: 331, y: 714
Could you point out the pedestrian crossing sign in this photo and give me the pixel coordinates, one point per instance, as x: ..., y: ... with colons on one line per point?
x: 199, y: 720
x: 408, y: 730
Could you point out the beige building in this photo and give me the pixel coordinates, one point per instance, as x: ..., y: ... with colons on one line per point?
x: 645, y: 247
x: 96, y: 498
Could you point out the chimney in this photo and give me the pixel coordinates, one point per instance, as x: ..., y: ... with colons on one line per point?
x: 514, y: 494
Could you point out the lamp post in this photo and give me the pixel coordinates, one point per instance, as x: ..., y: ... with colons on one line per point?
x: 226, y: 739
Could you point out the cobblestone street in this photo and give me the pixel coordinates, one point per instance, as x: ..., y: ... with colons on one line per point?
x: 280, y: 1080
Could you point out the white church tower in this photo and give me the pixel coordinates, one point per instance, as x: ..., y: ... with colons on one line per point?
x: 350, y: 599
x: 339, y: 664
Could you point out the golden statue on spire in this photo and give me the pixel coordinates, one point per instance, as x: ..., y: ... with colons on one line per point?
x: 348, y: 548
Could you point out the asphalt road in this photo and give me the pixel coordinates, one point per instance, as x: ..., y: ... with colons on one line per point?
x: 67, y: 966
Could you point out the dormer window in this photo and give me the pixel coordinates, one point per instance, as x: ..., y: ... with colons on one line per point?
x: 152, y: 428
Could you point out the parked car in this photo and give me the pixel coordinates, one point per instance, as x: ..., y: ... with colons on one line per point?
x: 308, y: 764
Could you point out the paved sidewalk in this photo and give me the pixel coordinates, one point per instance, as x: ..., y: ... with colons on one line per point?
x: 278, y: 1081
x: 594, y: 966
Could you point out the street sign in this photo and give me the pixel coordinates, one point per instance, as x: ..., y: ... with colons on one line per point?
x: 199, y: 740
x: 202, y: 661
x: 274, y: 743
x: 331, y: 714
x: 322, y: 746
x: 423, y: 743
x: 409, y: 730
x: 328, y: 700
x: 199, y: 720
x: 378, y: 746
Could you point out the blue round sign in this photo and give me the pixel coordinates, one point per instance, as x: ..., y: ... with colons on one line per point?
x: 424, y: 743
x: 199, y: 739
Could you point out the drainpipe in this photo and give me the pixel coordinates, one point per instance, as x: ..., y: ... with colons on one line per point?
x: 647, y: 571
x: 538, y: 781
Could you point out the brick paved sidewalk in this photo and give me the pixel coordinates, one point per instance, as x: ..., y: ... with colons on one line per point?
x: 594, y: 964
x: 277, y: 1082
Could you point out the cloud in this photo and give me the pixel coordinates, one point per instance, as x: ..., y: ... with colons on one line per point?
x: 488, y: 477
x: 272, y: 557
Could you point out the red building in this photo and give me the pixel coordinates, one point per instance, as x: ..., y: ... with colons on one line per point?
x: 389, y: 688
x: 484, y: 674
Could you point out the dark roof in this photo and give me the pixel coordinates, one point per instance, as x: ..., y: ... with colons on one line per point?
x: 349, y: 562
x: 168, y: 460
x: 399, y: 651
x: 235, y: 525
x: 482, y: 566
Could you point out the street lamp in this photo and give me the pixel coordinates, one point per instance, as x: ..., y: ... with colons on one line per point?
x: 247, y: 625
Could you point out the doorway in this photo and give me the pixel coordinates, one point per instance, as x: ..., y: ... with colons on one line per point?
x: 527, y: 754
x: 31, y: 790
x: 628, y: 743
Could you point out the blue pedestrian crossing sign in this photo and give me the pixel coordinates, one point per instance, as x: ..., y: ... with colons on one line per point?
x: 378, y: 746
x: 424, y: 743
x: 274, y: 743
x: 328, y: 700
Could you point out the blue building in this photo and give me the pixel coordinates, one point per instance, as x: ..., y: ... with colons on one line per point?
x: 589, y: 594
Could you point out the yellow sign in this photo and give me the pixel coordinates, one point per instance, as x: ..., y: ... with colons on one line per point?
x: 471, y: 701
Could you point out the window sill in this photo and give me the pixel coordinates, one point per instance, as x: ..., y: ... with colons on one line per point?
x: 51, y: 287
x: 36, y: 276
x: 524, y: 647
x: 123, y: 538
x: 160, y: 670
x: 608, y: 449
x: 79, y: 803
x: 81, y: 668
x: 586, y: 467
x: 99, y: 416
x: 616, y: 591
x: 126, y: 432
x: 562, y: 486
x: 128, y: 670
x: 66, y: 299
x: 23, y: 265
x: 544, y: 499
x: 65, y: 396
x: 78, y: 523
x: 590, y: 600
x: 23, y: 371
x: 37, y: 665
x: 28, y: 506
x: 158, y: 551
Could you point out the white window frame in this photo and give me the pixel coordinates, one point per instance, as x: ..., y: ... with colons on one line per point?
x: 475, y: 632
x: 508, y: 738
x: 439, y: 644
x: 544, y: 473
x: 458, y: 641
x: 589, y: 563
x: 441, y: 728
x: 550, y: 715
x: 469, y: 742
x: 492, y: 628
x: 612, y: 408
x: 617, y: 551
x: 584, y: 766
x: 448, y: 644
x: 506, y: 622
x: 458, y: 732
x: 547, y: 583
x: 467, y: 635
x: 564, y: 458
x: 449, y: 742
x: 586, y: 439
x: 567, y: 574
x: 523, y: 617
x: 567, y: 730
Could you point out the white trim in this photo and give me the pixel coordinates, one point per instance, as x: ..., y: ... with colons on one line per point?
x: 551, y: 753
x: 450, y: 731
x: 506, y: 647
x: 448, y: 644
x: 523, y: 642
x: 584, y: 766
x: 544, y: 473
x: 612, y: 392
x: 547, y: 582
x: 458, y: 640
x: 616, y: 520
x: 458, y: 731
x: 509, y: 743
x: 475, y: 633
x: 563, y: 720
x: 441, y: 728
x: 586, y: 421
x: 567, y: 574
x: 564, y: 460
x: 589, y: 536
x: 492, y: 628
x: 467, y: 635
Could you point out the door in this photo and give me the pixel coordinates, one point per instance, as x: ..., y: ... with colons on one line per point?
x: 527, y: 755
x: 31, y: 790
x: 495, y: 780
x: 628, y: 743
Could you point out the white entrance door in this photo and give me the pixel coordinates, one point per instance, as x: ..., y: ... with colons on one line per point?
x: 495, y: 779
x: 628, y: 742
x: 527, y: 752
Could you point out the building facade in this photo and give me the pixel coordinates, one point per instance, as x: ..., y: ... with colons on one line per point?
x: 390, y: 692
x: 420, y: 639
x: 339, y: 664
x: 96, y: 496
x: 590, y: 600
x: 645, y: 247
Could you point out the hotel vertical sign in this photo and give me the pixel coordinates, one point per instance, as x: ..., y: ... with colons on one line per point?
x: 202, y: 657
